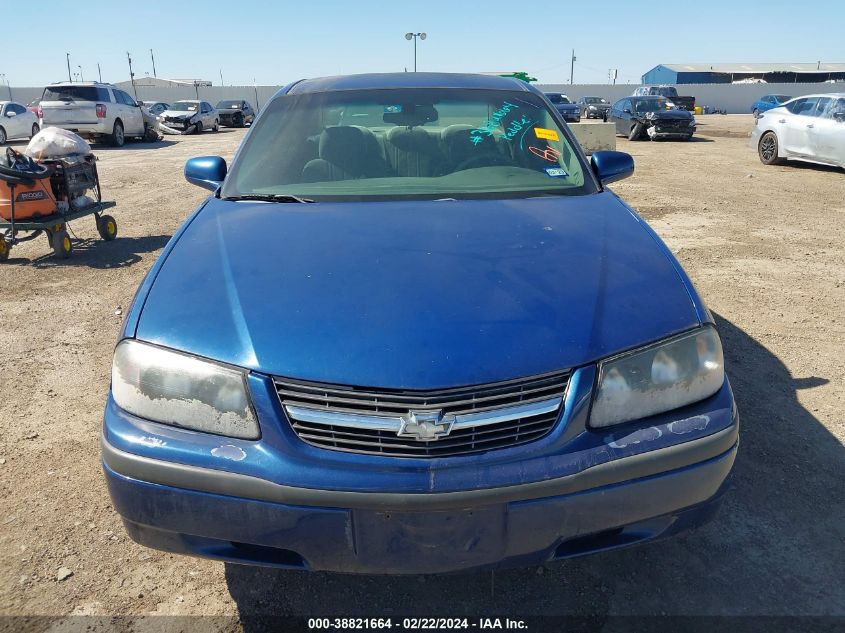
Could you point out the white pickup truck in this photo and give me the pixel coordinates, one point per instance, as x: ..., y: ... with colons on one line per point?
x: 93, y: 110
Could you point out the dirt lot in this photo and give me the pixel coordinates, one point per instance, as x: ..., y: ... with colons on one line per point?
x: 764, y: 245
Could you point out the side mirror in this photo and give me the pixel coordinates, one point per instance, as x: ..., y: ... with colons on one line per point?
x: 839, y: 116
x: 10, y: 114
x: 207, y: 172
x: 611, y: 166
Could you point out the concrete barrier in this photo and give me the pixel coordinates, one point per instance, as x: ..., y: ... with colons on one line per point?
x: 595, y: 137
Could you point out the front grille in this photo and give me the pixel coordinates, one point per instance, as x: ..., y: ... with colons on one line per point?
x: 673, y: 124
x: 391, y: 405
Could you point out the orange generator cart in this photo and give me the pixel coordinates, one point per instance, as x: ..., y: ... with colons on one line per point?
x: 41, y: 198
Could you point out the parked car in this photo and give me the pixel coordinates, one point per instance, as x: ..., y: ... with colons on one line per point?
x: 568, y: 110
x: 93, y: 110
x: 809, y: 128
x: 155, y: 107
x: 191, y: 115
x: 463, y: 350
x: 767, y: 102
x: 670, y: 93
x: 647, y: 117
x: 235, y: 113
x: 593, y: 107
x: 16, y: 122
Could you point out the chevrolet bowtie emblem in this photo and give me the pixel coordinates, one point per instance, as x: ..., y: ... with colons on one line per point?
x: 426, y: 425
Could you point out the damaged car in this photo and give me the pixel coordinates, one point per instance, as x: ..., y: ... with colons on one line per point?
x: 235, y: 113
x: 647, y: 117
x: 190, y: 117
x: 411, y: 330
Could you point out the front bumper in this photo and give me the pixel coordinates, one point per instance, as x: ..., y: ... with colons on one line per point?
x: 279, y: 502
x: 371, y: 540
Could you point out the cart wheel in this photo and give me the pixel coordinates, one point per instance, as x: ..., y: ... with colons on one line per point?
x: 107, y: 227
x: 5, y: 249
x: 62, y: 246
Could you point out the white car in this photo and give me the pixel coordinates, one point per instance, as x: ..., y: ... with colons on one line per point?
x: 16, y: 122
x: 809, y: 128
x: 191, y: 116
x: 93, y: 110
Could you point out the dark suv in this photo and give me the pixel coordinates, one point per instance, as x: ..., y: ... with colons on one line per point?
x: 235, y: 112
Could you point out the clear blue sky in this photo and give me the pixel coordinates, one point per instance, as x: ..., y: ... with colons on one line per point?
x: 276, y: 42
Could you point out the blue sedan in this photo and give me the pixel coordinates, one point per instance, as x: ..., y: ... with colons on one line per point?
x: 767, y: 102
x: 413, y: 331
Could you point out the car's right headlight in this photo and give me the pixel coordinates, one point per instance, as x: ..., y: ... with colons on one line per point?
x: 661, y: 377
x: 182, y: 390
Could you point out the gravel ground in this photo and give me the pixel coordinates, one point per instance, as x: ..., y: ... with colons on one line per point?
x: 764, y: 246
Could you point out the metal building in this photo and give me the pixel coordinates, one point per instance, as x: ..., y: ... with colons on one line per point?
x: 746, y: 73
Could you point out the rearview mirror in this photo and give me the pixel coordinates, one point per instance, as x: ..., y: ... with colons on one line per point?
x: 839, y: 116
x: 207, y: 172
x: 611, y: 166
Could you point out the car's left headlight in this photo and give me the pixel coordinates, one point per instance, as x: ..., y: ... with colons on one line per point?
x: 174, y: 388
x: 658, y: 378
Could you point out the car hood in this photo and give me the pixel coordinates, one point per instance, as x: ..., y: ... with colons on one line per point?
x: 415, y: 294
x: 178, y: 113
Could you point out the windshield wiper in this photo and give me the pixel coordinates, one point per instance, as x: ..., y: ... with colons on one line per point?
x: 270, y: 197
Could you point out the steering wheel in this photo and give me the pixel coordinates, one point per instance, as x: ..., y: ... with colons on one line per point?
x: 483, y: 160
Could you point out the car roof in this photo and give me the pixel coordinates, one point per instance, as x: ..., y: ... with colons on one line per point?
x: 81, y: 83
x: 375, y: 81
x: 836, y: 95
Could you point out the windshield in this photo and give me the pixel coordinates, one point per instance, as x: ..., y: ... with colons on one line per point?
x: 408, y: 144
x: 665, y: 92
x: 75, y: 93
x: 781, y: 98
x: 649, y: 105
x: 184, y: 106
x: 594, y: 100
x: 228, y: 104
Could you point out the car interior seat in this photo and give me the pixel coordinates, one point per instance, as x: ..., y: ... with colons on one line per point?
x: 413, y: 151
x: 346, y: 152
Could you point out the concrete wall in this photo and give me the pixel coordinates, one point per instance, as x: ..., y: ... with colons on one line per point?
x: 594, y: 137
x: 735, y: 98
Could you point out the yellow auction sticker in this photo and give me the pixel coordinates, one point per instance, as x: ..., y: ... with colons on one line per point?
x: 549, y: 135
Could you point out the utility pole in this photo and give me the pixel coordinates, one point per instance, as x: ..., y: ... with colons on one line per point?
x: 99, y: 73
x: 221, y: 77
x: 572, y: 67
x: 132, y: 75
x: 152, y: 57
x: 81, y: 78
x: 68, y: 66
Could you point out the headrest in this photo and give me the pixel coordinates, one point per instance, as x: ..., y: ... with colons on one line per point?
x: 413, y: 140
x: 458, y: 138
x: 349, y: 147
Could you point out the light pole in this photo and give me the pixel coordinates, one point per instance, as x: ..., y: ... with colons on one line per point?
x: 152, y: 57
x: 81, y: 78
x: 99, y: 72
x: 67, y: 55
x: 414, y: 36
x: 572, y: 67
x: 221, y: 76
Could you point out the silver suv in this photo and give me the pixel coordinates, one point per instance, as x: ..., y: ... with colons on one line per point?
x: 93, y: 110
